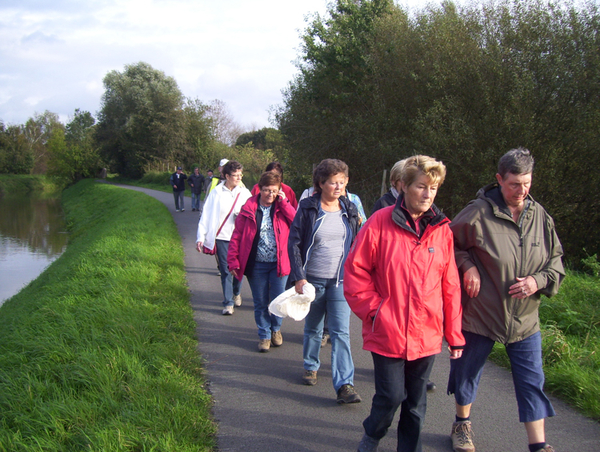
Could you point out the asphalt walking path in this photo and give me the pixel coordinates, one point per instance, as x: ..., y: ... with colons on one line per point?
x: 260, y: 403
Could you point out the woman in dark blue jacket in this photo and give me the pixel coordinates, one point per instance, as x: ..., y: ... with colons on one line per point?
x: 320, y: 238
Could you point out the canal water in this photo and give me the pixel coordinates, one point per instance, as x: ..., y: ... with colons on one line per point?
x: 32, y: 235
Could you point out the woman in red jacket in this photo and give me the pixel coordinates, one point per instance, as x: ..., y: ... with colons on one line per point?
x: 402, y: 282
x: 258, y: 249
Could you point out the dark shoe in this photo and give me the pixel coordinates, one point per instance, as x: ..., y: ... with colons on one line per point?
x: 368, y: 444
x: 264, y: 345
x: 193, y: 209
x: 546, y: 448
x: 430, y: 386
x: 276, y: 338
x: 310, y: 377
x: 324, y: 339
x: 347, y: 394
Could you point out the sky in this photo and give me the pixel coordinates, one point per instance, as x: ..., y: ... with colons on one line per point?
x: 55, y: 54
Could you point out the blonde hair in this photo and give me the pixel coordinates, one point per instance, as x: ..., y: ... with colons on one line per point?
x: 421, y: 164
x: 396, y: 172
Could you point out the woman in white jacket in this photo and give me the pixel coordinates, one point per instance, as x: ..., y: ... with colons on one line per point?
x: 216, y: 226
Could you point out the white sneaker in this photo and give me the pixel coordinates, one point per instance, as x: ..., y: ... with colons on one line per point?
x: 228, y: 310
x: 237, y: 300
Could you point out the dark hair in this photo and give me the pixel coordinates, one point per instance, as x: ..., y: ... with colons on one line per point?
x: 269, y: 178
x: 275, y: 166
x: 231, y: 167
x: 516, y: 161
x: 326, y: 169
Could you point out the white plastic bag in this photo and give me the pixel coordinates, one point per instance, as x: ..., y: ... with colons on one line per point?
x: 292, y: 304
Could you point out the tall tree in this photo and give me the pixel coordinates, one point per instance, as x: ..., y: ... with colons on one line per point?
x: 38, y: 131
x: 141, y: 118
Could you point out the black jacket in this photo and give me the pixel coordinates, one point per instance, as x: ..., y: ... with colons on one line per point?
x: 198, y: 182
x: 306, y: 222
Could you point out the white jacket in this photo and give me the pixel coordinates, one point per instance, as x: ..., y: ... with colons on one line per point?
x: 216, y: 207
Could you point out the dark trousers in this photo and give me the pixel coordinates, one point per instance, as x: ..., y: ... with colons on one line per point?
x: 399, y: 382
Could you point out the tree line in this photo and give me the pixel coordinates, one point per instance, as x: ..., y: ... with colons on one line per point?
x: 463, y: 84
x: 375, y: 83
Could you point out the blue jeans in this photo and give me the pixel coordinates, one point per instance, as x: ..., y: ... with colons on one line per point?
x: 231, y: 286
x: 398, y: 381
x: 196, y: 200
x: 265, y: 286
x: 178, y: 195
x: 526, y: 364
x: 329, y: 299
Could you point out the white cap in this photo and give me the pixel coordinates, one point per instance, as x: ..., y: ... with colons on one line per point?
x: 223, y: 162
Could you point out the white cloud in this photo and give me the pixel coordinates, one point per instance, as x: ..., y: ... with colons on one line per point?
x: 54, y: 55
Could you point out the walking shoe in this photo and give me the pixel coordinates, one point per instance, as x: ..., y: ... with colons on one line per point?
x: 324, y: 339
x: 462, y: 437
x: 264, y: 345
x: 546, y: 448
x: 176, y: 210
x: 228, y: 310
x: 430, y: 386
x: 276, y: 339
x: 347, y: 394
x: 193, y: 209
x: 368, y: 444
x: 237, y: 300
x: 310, y: 377
x: 183, y: 210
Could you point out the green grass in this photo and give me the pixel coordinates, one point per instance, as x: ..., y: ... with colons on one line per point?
x: 99, y: 353
x: 571, y: 343
x: 22, y: 184
x: 153, y: 179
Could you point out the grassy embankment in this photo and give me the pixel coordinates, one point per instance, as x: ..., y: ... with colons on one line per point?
x: 22, y: 184
x: 99, y: 353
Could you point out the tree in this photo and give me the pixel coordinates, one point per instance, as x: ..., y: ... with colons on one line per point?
x: 37, y: 131
x: 74, y: 154
x: 141, y: 119
x: 225, y: 129
x: 16, y: 156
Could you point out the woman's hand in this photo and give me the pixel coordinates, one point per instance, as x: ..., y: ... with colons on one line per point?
x: 233, y: 271
x: 199, y: 246
x: 281, y: 194
x: 299, y: 285
x: 455, y: 354
x: 472, y: 282
x: 525, y: 287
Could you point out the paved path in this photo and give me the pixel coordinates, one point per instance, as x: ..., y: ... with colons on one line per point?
x: 261, y: 404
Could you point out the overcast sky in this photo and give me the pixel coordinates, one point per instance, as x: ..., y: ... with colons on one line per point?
x: 54, y: 54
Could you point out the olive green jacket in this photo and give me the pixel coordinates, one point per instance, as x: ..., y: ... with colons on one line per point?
x: 486, y: 236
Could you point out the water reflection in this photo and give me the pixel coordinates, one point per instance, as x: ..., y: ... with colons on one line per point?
x: 32, y: 235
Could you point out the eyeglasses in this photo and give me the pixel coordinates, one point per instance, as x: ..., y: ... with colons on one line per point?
x: 270, y: 192
x: 236, y: 175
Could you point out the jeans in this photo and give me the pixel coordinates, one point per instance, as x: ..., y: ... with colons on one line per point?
x: 196, y: 200
x: 231, y: 286
x: 266, y: 286
x: 397, y: 382
x: 526, y: 365
x: 329, y: 299
x: 178, y: 195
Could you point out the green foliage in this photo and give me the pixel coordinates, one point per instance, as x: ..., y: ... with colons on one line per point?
x: 73, y: 154
x: 99, y: 353
x: 141, y: 118
x: 591, y: 265
x: 38, y: 131
x: 15, y: 155
x: 464, y: 85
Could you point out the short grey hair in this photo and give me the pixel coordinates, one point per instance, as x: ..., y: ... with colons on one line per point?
x: 516, y: 161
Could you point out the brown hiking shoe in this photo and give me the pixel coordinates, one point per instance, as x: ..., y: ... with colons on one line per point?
x: 276, y: 339
x: 264, y: 345
x: 462, y: 437
x: 310, y: 377
x: 347, y: 394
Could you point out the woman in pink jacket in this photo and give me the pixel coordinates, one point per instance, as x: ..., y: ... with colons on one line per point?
x: 402, y: 282
x: 258, y: 249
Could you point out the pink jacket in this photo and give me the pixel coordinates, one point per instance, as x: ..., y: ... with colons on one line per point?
x: 405, y: 289
x: 246, y: 228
